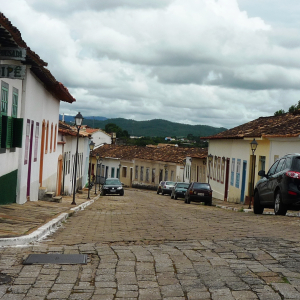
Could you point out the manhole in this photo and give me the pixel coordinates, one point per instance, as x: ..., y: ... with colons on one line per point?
x: 4, y: 279
x: 63, y: 259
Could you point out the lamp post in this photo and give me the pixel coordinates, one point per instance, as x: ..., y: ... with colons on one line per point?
x: 78, y: 122
x: 92, y: 145
x: 100, y: 172
x: 184, y: 163
x: 97, y: 158
x: 210, y: 158
x: 253, y: 145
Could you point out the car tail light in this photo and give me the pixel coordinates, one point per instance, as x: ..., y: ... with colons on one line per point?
x: 191, y: 192
x: 292, y: 193
x: 293, y: 174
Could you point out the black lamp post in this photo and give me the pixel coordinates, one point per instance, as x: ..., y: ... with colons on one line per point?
x: 78, y: 122
x: 92, y: 145
x: 210, y: 158
x: 97, y: 158
x: 253, y: 145
x: 100, y: 172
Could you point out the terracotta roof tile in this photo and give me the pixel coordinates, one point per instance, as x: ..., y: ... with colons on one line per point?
x: 166, y: 154
x: 71, y: 130
x: 286, y: 125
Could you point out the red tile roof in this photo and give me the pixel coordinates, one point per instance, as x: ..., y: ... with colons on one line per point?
x: 66, y: 129
x: 166, y: 154
x: 286, y: 125
x: 10, y: 36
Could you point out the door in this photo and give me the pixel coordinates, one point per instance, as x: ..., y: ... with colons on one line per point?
x: 244, y: 173
x: 29, y: 161
x: 131, y: 176
x: 226, y: 179
x: 59, y: 175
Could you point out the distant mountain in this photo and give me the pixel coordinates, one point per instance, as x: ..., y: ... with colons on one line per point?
x: 156, y: 127
x: 69, y: 119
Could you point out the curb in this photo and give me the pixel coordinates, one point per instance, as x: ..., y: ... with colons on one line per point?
x: 45, y: 229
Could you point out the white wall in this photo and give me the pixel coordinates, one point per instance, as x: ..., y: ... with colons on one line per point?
x: 100, y: 138
x: 38, y: 105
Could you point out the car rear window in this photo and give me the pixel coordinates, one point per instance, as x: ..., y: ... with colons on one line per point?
x: 296, y: 164
x: 204, y: 186
x: 182, y: 185
x: 112, y: 181
x: 170, y: 182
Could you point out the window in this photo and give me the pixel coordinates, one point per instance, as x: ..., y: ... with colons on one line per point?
x: 222, y: 169
x: 136, y: 172
x: 273, y: 168
x: 238, y: 172
x: 147, y: 174
x: 142, y: 174
x: 14, y: 111
x: 215, y: 168
x: 153, y: 176
x: 232, y: 171
x: 47, y: 137
x: 51, y: 137
x: 27, y: 141
x: 36, y: 143
x: 112, y: 172
x: 55, y: 138
x: 124, y: 172
x: 4, y: 98
x: 218, y: 168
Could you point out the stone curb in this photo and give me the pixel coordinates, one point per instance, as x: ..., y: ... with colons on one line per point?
x: 45, y: 229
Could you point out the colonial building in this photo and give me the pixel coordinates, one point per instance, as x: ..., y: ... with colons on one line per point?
x: 145, y: 167
x: 232, y: 159
x: 30, y: 100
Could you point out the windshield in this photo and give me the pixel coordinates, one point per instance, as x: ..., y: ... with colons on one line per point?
x: 183, y: 185
x: 112, y: 182
x: 204, y: 186
x: 170, y: 183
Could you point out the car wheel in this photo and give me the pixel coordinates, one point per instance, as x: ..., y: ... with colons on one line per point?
x: 172, y: 197
x: 122, y: 194
x: 157, y: 192
x: 175, y: 197
x: 162, y: 192
x: 257, y: 207
x: 103, y: 193
x: 208, y: 202
x: 188, y: 200
x: 279, y: 207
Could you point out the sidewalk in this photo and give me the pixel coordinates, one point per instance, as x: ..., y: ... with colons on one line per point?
x: 21, y: 224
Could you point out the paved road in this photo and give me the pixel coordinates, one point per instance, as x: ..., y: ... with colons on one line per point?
x: 147, y: 246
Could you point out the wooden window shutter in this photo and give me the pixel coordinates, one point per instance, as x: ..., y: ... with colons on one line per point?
x: 36, y: 143
x: 0, y: 128
x: 47, y: 137
x: 17, y: 132
x: 51, y: 137
x: 27, y: 141
x: 55, y: 133
x: 6, y: 136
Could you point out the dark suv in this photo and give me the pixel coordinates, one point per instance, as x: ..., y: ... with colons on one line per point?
x: 280, y: 187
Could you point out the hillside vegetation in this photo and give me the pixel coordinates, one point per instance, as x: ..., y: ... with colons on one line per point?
x: 157, y: 127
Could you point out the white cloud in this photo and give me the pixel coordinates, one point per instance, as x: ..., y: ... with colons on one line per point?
x: 214, y: 62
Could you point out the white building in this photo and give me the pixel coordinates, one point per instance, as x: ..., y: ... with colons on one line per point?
x: 30, y: 100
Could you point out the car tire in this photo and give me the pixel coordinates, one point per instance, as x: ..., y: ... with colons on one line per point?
x: 172, y: 197
x: 103, y: 193
x: 162, y: 192
x: 188, y: 200
x: 258, y: 209
x: 157, y: 192
x: 208, y: 202
x: 122, y: 194
x: 279, y: 207
x: 175, y: 197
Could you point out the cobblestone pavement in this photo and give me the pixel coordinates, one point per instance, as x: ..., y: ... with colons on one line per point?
x: 147, y: 246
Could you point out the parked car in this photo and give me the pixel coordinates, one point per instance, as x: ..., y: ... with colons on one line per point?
x: 199, y: 192
x: 112, y: 186
x: 179, y: 190
x: 279, y: 188
x: 159, y: 188
x: 167, y: 187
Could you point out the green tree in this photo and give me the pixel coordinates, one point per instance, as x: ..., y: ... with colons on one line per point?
x: 279, y: 112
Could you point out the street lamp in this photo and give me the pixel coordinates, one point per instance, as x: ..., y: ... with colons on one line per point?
x: 184, y: 163
x: 78, y: 122
x: 92, y: 145
x: 210, y: 158
x: 100, y: 172
x: 97, y: 158
x: 253, y: 146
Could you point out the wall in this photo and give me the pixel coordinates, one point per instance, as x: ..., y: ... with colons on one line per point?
x: 9, y: 157
x: 100, y: 138
x: 37, y: 105
x: 238, y: 150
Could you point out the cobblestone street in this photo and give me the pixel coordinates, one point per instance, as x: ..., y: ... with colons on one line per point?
x: 148, y: 246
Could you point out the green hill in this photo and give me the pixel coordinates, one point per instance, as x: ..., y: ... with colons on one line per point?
x: 156, y: 127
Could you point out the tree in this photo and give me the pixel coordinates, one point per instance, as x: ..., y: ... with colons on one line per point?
x: 279, y: 112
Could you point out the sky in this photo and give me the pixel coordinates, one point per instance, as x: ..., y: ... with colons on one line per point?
x: 220, y: 63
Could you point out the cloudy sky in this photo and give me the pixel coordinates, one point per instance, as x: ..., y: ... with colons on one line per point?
x: 212, y: 62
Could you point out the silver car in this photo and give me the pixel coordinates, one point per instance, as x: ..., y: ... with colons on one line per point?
x: 167, y: 187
